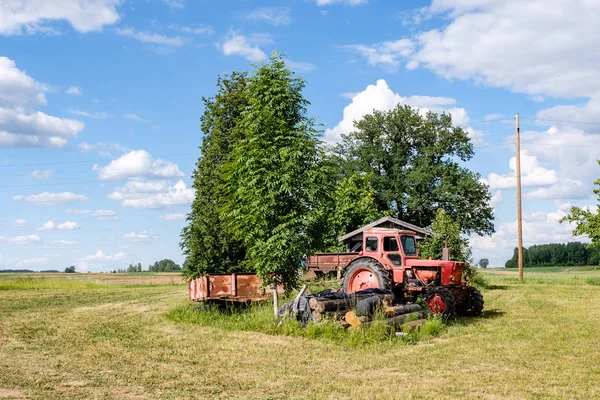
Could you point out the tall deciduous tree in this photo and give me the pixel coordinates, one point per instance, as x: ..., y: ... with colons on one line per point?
x: 587, y: 222
x: 274, y: 175
x: 444, y: 227
x: 205, y: 241
x: 413, y: 161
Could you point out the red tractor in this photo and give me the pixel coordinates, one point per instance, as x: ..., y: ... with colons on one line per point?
x: 388, y: 259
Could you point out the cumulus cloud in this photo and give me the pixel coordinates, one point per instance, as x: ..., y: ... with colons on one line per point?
x: 68, y: 226
x: 50, y: 199
x: 153, y: 195
x: 137, y: 164
x: 532, y: 174
x: 271, y: 15
x: 32, y: 16
x: 20, y: 222
x: 99, y: 259
x: 21, y: 127
x: 172, y: 217
x: 245, y: 46
x: 139, y: 237
x: 16, y: 87
x: 73, y: 90
x: 538, y: 227
x: 36, y: 174
x: 29, y: 239
x: 381, y: 97
x: 48, y: 226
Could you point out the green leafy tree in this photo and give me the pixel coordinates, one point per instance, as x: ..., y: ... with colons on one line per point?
x: 483, y: 263
x: 205, y: 241
x: 165, y: 265
x: 413, y: 163
x: 587, y: 221
x: 70, y: 270
x: 444, y: 227
x: 274, y: 177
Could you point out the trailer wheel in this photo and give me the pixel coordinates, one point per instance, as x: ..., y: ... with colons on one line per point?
x: 366, y: 274
x: 472, y: 306
x: 440, y: 302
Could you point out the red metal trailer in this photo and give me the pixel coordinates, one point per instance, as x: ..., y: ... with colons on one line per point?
x: 243, y: 288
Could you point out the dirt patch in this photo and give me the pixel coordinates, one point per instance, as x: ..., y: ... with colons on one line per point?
x: 11, y: 394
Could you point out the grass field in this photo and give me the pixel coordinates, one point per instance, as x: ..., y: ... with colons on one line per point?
x: 113, y: 336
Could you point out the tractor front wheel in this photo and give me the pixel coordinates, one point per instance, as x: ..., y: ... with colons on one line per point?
x: 440, y: 302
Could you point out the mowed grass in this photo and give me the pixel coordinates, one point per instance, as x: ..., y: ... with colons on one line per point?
x: 535, y: 340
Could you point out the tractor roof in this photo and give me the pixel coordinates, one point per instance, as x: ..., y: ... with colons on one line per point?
x: 388, y: 223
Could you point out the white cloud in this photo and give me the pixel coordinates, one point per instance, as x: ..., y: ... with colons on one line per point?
x: 36, y: 174
x: 65, y: 242
x: 87, y: 114
x: 381, y: 97
x: 177, y: 4
x: 16, y: 87
x: 50, y: 199
x: 78, y: 212
x: 538, y: 228
x: 140, y: 237
x: 172, y: 217
x: 32, y: 261
x: 272, y: 15
x: 100, y: 215
x: 496, y: 198
x: 532, y: 174
x: 153, y: 38
x: 349, y: 2
x: 153, y: 195
x: 300, y: 66
x: 20, y: 222
x: 101, y: 257
x: 68, y: 226
x: 31, y: 16
x: 565, y: 189
x: 245, y: 46
x: 491, y: 117
x: 137, y: 164
x: 29, y: 239
x: 73, y: 90
x: 103, y: 213
x: 195, y: 29
x: 386, y: 54
x: 48, y: 226
x: 135, y: 117
x: 494, y: 42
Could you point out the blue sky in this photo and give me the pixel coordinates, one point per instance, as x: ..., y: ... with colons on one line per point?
x: 100, y: 104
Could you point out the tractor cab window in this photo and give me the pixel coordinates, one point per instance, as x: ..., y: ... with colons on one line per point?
x: 371, y: 244
x: 409, y: 246
x: 390, y: 244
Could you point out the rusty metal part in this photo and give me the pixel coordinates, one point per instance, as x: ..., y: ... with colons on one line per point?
x: 230, y: 287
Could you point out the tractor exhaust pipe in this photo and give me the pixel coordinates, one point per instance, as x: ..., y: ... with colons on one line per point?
x: 446, y: 251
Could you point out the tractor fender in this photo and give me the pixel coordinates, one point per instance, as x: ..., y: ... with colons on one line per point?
x: 364, y: 258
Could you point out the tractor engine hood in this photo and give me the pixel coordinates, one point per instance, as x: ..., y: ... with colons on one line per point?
x: 437, y: 271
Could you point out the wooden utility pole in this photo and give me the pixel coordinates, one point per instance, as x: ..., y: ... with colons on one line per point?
x: 519, y: 214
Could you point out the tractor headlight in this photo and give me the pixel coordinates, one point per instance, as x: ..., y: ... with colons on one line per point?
x: 409, y: 274
x: 452, y: 278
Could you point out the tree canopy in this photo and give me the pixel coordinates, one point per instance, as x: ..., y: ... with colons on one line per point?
x: 205, y: 241
x: 587, y: 222
x: 542, y: 255
x: 274, y: 178
x: 413, y: 165
x: 165, y: 265
x: 483, y: 262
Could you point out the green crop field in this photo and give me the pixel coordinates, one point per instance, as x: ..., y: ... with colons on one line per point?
x: 112, y: 336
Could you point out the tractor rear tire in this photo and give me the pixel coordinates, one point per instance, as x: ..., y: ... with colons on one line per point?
x: 440, y: 302
x: 365, y: 274
x: 472, y: 306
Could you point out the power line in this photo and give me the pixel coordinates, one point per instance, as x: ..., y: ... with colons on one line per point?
x: 563, y: 121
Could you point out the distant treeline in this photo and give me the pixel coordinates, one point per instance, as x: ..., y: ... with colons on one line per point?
x: 12, y: 271
x: 542, y: 255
